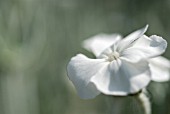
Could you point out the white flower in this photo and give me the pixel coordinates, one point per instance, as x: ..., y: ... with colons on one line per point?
x: 122, y: 66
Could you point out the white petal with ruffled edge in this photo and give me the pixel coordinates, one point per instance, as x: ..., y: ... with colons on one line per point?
x: 122, y: 78
x: 80, y: 70
x: 160, y: 69
x: 131, y: 38
x: 144, y: 48
x: 100, y: 42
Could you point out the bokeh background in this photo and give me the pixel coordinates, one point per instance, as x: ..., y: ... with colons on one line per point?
x: 38, y: 38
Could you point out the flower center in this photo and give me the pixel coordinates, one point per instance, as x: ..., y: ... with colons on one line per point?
x: 113, y: 56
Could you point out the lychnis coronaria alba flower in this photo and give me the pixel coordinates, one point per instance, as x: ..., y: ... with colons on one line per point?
x: 122, y: 66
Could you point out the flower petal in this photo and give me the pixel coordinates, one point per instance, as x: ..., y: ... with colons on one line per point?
x: 130, y: 39
x: 80, y: 70
x: 160, y: 69
x: 122, y: 78
x: 145, y: 47
x: 99, y: 43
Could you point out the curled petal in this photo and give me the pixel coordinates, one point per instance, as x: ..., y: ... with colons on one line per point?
x: 160, y: 69
x: 144, y: 48
x: 122, y: 77
x: 99, y: 43
x: 130, y: 39
x: 80, y: 70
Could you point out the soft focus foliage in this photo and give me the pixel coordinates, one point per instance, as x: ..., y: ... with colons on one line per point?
x: 38, y: 37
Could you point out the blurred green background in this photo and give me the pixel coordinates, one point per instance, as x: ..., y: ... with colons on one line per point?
x: 38, y: 38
